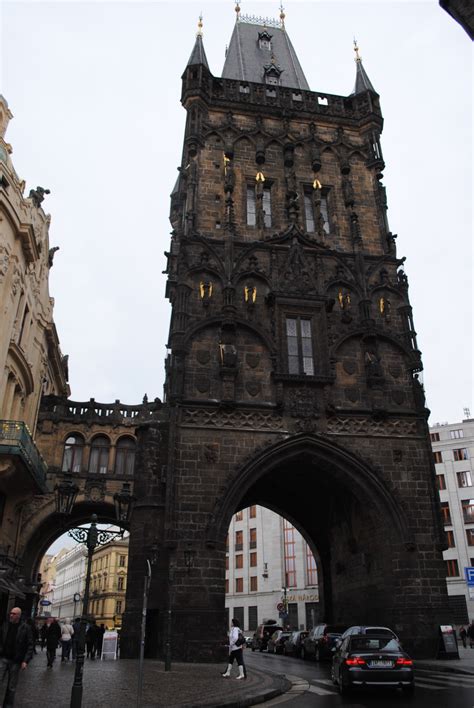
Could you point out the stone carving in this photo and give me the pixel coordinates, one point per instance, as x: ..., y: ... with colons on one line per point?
x: 253, y: 360
x: 94, y: 490
x: 37, y: 195
x: 237, y: 420
x: 211, y: 452
x: 350, y: 366
x: 203, y: 356
x: 51, y: 253
x: 368, y: 426
x: 395, y: 371
x: 252, y: 388
x: 352, y: 394
x: 398, y: 397
x: 4, y: 261
x: 295, y: 274
x: 203, y: 384
x: 302, y: 403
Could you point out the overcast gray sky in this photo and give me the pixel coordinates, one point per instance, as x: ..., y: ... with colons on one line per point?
x: 95, y: 92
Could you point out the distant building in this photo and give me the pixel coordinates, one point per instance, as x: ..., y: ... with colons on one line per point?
x: 109, y: 583
x: 69, y: 583
x: 267, y: 555
x: 453, y: 451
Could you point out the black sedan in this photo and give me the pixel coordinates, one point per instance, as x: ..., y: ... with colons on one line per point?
x: 293, y: 643
x: 363, y: 661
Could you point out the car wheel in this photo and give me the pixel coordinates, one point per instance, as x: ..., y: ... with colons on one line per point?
x: 333, y: 676
x: 344, y: 686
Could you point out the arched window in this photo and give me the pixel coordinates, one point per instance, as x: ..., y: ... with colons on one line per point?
x: 125, y: 457
x: 72, y: 458
x: 99, y: 457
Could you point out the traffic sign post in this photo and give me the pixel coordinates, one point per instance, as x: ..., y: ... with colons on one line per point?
x: 469, y: 573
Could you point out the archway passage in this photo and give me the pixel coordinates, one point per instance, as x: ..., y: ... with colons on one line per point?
x: 379, y: 556
x: 354, y: 526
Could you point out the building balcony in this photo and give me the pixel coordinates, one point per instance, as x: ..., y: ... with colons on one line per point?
x: 17, y: 444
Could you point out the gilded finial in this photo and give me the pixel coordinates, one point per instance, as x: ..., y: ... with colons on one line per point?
x: 260, y: 177
x: 356, y: 49
x: 199, y: 32
x: 282, y: 15
x: 237, y: 11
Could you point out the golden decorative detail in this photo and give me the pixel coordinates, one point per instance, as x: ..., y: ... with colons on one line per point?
x: 260, y: 177
x: 226, y: 162
x: 237, y: 9
x: 205, y: 289
x: 199, y: 32
x: 250, y: 293
x: 356, y: 49
x: 382, y: 305
x: 317, y: 184
x: 282, y: 15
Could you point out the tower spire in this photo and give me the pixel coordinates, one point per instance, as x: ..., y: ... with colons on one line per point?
x: 198, y: 55
x: 362, y: 82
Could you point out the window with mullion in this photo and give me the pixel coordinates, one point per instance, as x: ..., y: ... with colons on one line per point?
x: 309, y: 212
x: 300, y: 346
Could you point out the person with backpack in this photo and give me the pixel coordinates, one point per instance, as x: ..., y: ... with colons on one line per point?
x: 236, y: 644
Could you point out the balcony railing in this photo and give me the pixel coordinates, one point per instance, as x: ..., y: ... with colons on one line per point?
x: 15, y: 439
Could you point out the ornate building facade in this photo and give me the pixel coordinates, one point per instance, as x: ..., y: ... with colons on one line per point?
x: 31, y: 362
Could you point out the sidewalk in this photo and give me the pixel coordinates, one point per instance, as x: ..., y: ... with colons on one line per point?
x: 113, y: 684
x: 463, y: 665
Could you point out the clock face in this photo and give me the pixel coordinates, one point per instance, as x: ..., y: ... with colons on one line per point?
x: 77, y: 597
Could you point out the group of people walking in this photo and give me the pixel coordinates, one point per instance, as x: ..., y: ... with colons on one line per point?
x: 66, y: 635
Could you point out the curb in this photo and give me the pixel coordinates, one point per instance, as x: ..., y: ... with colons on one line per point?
x: 245, y: 701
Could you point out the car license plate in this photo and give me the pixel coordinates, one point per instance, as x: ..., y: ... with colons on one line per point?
x: 379, y: 664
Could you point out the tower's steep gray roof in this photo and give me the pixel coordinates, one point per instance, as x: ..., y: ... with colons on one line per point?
x: 198, y: 55
x: 362, y: 82
x: 246, y: 61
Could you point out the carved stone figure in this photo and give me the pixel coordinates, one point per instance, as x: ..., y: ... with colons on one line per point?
x: 37, y: 195
x: 51, y: 253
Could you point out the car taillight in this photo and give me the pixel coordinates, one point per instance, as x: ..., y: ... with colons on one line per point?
x: 355, y: 661
x: 324, y: 638
x: 403, y: 662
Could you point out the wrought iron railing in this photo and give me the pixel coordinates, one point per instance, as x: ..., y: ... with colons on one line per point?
x: 15, y: 439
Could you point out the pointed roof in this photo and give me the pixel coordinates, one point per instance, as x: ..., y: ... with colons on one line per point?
x: 198, y: 55
x: 257, y: 43
x: 362, y: 82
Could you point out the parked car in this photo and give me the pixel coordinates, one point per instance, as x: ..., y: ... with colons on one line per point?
x: 248, y: 639
x: 277, y: 641
x: 368, y: 629
x: 263, y: 634
x: 293, y: 644
x: 372, y: 660
x: 320, y: 641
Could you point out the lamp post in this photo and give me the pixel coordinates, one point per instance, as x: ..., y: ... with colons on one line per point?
x: 66, y: 494
x: 152, y: 560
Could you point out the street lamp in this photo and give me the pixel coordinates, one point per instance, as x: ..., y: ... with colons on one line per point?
x: 152, y: 560
x: 66, y: 494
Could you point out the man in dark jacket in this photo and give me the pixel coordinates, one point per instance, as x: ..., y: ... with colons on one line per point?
x: 53, y: 635
x: 16, y: 651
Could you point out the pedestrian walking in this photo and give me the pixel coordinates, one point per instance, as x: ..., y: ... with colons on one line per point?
x: 43, y: 636
x: 236, y: 644
x: 67, y: 632
x: 76, y: 625
x: 100, y: 639
x: 52, y: 636
x: 16, y: 651
x: 470, y: 634
x: 91, y: 640
x: 463, y: 636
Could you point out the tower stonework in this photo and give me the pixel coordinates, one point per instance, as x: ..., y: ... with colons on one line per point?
x: 292, y: 378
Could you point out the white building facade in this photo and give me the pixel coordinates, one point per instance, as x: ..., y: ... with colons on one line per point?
x: 453, y: 451
x: 69, y: 582
x: 265, y: 556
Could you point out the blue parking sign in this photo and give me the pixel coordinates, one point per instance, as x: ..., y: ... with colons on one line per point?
x: 469, y: 573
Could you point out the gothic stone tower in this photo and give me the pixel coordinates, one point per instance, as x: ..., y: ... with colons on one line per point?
x: 292, y: 375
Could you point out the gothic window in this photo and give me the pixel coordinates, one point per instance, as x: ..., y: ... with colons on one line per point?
x: 310, y: 212
x: 125, y: 457
x: 252, y: 206
x: 99, y: 456
x: 300, y: 346
x: 72, y: 457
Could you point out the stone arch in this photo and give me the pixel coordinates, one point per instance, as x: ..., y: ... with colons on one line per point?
x: 342, y: 506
